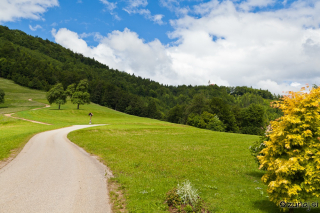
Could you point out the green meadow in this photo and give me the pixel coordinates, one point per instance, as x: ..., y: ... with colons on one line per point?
x: 149, y: 157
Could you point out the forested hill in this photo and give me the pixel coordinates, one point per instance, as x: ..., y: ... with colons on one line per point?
x: 40, y: 64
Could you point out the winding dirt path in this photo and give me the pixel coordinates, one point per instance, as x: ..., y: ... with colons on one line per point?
x: 38, y: 122
x: 52, y: 174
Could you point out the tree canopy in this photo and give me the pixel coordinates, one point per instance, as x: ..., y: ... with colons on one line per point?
x: 57, y: 95
x: 80, y: 96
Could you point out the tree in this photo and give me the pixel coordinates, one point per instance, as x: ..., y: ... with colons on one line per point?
x: 252, y: 120
x: 57, y: 95
x: 2, y: 94
x: 292, y: 153
x: 70, y: 90
x: 80, y: 95
x: 224, y: 113
x: 175, y: 114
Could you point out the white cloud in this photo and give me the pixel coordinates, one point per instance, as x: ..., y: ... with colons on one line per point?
x: 123, y: 51
x: 35, y: 27
x: 137, y: 3
x: 110, y: 5
x: 12, y: 10
x: 134, y: 7
x: 174, y: 6
x: 295, y: 84
x: 275, y: 50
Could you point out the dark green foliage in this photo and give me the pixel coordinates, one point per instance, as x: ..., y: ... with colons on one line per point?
x: 2, y: 94
x: 57, y: 95
x: 223, y: 111
x: 152, y: 109
x: 175, y: 114
x: 80, y: 96
x: 206, y: 121
x: 252, y: 120
x: 70, y: 90
x: 243, y: 90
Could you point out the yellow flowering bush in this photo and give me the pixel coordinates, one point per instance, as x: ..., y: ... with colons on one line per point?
x: 292, y: 153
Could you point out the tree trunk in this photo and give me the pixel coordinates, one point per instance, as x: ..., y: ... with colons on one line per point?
x: 78, y: 106
x: 59, y: 106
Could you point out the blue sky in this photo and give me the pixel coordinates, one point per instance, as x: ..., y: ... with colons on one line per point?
x: 266, y: 44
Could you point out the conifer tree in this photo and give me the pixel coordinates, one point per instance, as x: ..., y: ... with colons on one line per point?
x: 292, y: 153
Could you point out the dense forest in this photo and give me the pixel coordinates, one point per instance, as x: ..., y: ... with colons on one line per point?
x: 40, y: 64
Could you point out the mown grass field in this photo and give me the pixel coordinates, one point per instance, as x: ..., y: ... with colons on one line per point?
x: 17, y: 97
x: 149, y: 157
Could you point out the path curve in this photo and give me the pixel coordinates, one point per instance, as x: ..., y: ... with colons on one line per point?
x: 38, y: 122
x: 52, y: 174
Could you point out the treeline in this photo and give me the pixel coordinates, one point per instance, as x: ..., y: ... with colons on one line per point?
x: 40, y: 64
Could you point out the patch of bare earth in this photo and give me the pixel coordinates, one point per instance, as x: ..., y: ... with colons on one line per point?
x: 116, y: 196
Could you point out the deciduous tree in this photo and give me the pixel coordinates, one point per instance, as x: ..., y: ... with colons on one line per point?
x: 57, y: 95
x: 81, y: 95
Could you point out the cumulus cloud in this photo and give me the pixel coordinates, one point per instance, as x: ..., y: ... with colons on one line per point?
x: 11, y: 10
x: 123, y: 51
x: 35, y: 27
x: 275, y: 50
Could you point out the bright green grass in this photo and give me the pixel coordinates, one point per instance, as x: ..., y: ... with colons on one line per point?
x: 17, y: 97
x: 150, y: 159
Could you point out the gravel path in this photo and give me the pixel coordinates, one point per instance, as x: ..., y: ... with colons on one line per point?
x: 51, y: 174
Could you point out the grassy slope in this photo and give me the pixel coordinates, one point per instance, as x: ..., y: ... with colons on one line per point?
x: 149, y: 157
x: 15, y: 133
x: 17, y: 97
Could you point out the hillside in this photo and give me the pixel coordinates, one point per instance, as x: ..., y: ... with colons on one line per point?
x: 39, y: 64
x: 149, y: 157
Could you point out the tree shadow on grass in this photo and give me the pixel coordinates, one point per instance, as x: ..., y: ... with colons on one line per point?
x: 256, y: 174
x: 268, y: 206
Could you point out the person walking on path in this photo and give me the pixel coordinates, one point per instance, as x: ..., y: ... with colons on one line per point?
x: 90, y: 114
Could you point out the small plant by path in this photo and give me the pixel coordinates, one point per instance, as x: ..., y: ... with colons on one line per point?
x: 184, y: 198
